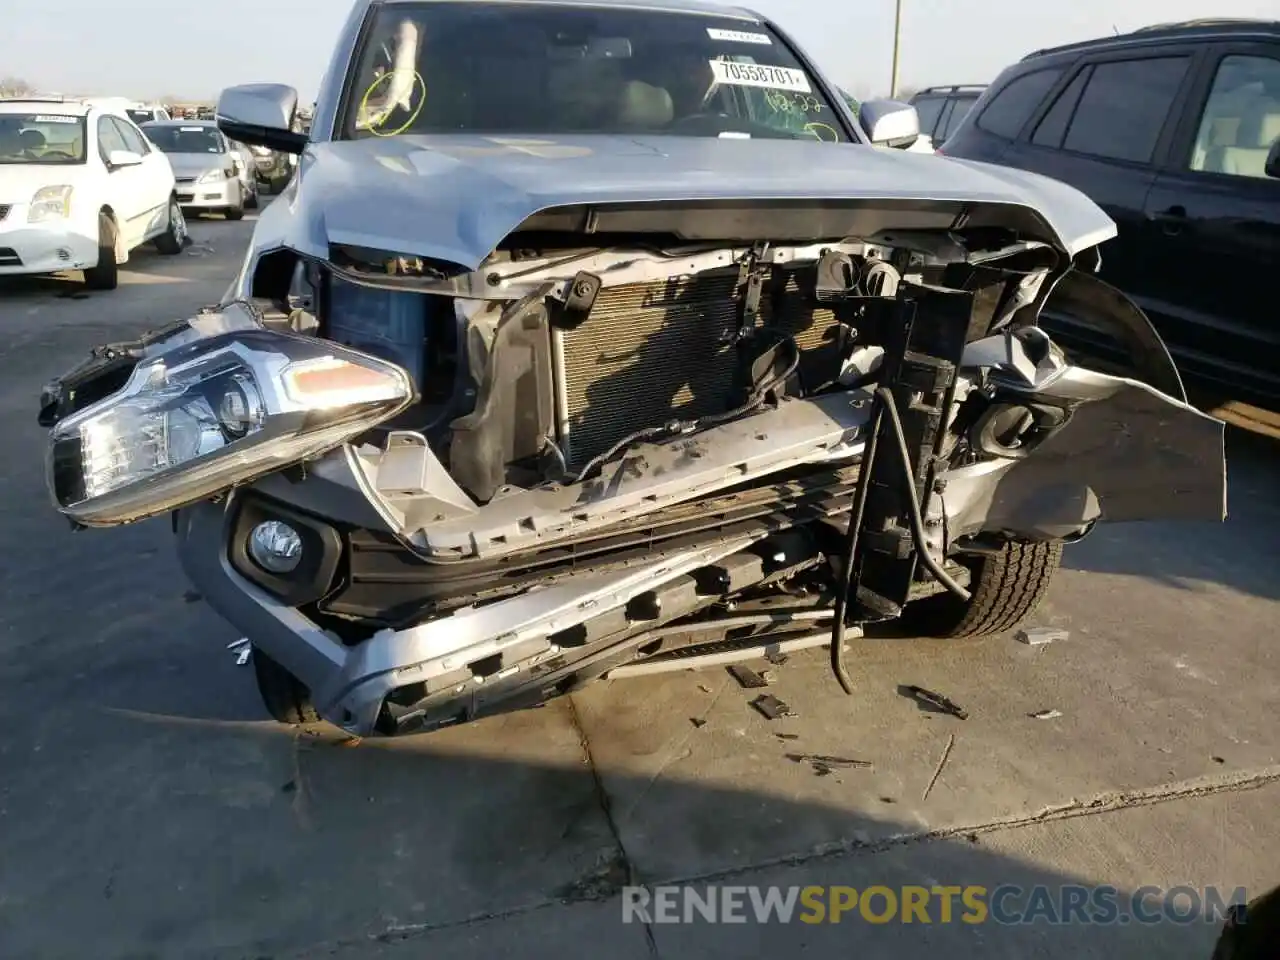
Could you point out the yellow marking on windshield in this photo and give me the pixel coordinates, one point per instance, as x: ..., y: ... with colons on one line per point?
x: 375, y: 127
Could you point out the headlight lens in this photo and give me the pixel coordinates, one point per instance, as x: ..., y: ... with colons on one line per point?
x: 210, y: 176
x: 50, y: 203
x: 215, y: 413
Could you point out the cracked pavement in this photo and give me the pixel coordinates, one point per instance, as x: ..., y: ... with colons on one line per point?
x: 148, y: 808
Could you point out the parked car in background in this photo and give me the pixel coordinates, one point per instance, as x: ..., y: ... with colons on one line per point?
x: 1175, y: 131
x: 942, y: 108
x: 141, y: 113
x: 206, y: 165
x: 80, y: 187
x: 247, y: 171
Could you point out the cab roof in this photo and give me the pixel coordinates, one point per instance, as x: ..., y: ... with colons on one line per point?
x: 51, y: 105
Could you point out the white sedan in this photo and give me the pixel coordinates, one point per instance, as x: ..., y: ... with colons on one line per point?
x: 80, y: 188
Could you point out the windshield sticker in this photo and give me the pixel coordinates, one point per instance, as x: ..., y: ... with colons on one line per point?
x: 734, y: 135
x: 755, y: 75
x: 738, y: 36
x: 193, y: 129
x: 56, y: 119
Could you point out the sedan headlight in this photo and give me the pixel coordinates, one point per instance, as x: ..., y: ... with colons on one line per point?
x: 50, y: 203
x: 212, y: 414
x: 210, y: 176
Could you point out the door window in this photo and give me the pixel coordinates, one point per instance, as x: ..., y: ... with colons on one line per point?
x: 1241, y: 118
x: 1010, y: 109
x: 1124, y: 107
x: 929, y: 109
x: 108, y: 138
x: 1051, y: 129
x: 133, y: 140
x: 960, y: 107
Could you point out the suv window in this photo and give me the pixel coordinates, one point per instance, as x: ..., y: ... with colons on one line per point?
x: 1124, y: 107
x: 929, y: 109
x: 960, y: 107
x: 1050, y: 130
x: 109, y: 138
x: 1012, y: 106
x: 1241, y: 118
x: 133, y: 140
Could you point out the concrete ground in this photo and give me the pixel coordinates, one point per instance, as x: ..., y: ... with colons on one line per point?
x: 148, y: 808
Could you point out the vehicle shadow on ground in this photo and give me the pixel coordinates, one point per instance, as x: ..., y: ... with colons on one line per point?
x: 159, y: 841
x: 1241, y: 554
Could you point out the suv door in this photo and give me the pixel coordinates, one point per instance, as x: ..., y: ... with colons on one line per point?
x: 1103, y: 129
x: 1213, y: 226
x: 126, y: 186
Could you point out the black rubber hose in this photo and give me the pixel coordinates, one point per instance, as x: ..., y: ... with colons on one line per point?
x: 913, y: 506
x: 845, y: 583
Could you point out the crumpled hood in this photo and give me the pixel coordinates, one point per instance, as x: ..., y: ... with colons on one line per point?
x: 455, y: 197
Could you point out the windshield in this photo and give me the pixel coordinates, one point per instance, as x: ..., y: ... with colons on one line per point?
x: 501, y: 68
x: 41, y: 138
x: 179, y: 139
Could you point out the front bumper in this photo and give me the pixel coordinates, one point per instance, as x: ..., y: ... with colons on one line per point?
x: 349, y: 684
x: 44, y: 247
x: 208, y: 196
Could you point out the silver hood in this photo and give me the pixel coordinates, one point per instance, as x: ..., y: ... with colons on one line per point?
x: 195, y: 164
x: 454, y: 198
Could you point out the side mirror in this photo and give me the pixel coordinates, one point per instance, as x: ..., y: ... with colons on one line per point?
x: 123, y: 158
x: 1272, y: 169
x: 890, y: 123
x: 261, y: 114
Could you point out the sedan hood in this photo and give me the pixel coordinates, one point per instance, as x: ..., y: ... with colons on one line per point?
x: 454, y: 198
x: 194, y: 164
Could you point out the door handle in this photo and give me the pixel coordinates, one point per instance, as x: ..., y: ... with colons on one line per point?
x: 1172, y: 220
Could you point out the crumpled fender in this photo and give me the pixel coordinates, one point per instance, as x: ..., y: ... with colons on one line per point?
x: 1123, y: 451
x: 1082, y: 305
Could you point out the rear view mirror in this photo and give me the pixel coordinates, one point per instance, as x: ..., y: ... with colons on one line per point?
x: 123, y: 158
x: 1272, y: 169
x: 890, y: 123
x: 261, y: 114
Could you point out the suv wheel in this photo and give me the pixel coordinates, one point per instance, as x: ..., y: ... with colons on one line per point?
x: 1006, y: 587
x: 283, y: 694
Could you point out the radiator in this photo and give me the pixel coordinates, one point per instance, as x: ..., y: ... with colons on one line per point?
x: 663, y: 350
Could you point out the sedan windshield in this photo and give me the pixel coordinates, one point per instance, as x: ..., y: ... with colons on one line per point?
x: 502, y: 68
x: 41, y: 138
x: 173, y: 138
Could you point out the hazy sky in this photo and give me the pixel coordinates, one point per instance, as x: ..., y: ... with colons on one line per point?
x: 123, y: 46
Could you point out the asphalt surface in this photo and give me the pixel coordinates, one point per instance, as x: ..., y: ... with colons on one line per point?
x: 149, y: 809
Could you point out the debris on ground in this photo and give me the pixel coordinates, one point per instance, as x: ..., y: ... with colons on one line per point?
x: 698, y: 722
x: 1218, y: 759
x: 242, y: 649
x: 932, y: 702
x: 1038, y: 636
x: 942, y: 762
x: 771, y: 707
x: 704, y: 688
x: 768, y: 676
x: 1046, y: 715
x: 192, y: 596
x: 747, y: 678
x: 888, y: 800
x: 787, y: 736
x: 777, y: 658
x: 824, y: 765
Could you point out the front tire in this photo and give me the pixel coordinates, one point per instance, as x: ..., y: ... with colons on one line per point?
x: 252, y: 201
x: 1006, y: 587
x: 283, y: 694
x: 105, y: 275
x: 236, y: 212
x: 174, y: 238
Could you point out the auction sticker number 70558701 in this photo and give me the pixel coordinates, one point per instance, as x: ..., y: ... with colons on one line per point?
x: 757, y: 75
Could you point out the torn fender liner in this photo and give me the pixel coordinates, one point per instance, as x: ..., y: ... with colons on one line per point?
x: 1127, y: 452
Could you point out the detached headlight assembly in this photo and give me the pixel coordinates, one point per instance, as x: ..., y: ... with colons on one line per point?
x: 50, y: 203
x: 211, y: 414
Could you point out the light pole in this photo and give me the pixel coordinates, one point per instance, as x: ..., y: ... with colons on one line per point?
x: 897, y: 46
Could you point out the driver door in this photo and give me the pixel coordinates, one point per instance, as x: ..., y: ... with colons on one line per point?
x: 126, y: 187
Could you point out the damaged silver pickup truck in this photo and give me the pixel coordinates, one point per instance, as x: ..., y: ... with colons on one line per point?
x: 592, y: 340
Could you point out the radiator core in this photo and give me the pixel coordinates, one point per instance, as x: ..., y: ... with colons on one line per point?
x: 664, y: 350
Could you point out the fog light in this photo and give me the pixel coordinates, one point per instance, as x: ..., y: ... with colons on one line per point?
x: 275, y: 546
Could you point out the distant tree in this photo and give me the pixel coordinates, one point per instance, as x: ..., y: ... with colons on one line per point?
x: 15, y: 87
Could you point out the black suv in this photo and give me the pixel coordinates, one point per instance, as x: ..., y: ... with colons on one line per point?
x: 1175, y: 131
x: 942, y: 108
